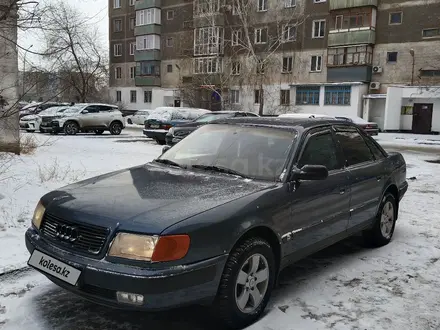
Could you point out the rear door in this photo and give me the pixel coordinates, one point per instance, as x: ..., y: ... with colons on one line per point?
x: 320, y: 209
x: 366, y: 175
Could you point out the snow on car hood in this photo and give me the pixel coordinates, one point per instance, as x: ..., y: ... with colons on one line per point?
x: 29, y: 118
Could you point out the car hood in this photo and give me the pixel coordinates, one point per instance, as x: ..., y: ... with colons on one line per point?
x: 29, y: 117
x: 189, y: 125
x: 150, y: 197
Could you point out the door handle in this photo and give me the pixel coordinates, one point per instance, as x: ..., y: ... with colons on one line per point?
x: 378, y: 178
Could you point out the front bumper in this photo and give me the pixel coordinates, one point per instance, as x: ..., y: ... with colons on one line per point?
x: 28, y: 125
x: 56, y: 127
x: 156, y: 134
x: 162, y: 288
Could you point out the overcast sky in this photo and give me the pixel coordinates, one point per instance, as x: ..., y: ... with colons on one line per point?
x: 91, y: 8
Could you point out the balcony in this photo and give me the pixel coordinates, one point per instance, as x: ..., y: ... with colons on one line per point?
x: 147, y: 29
x: 349, y: 73
x: 145, y: 4
x: 351, y: 37
x: 345, y: 4
x: 147, y: 55
x: 147, y: 81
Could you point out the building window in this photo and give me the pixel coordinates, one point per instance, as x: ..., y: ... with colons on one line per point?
x: 430, y: 73
x: 117, y: 25
x: 430, y: 33
x: 346, y: 56
x: 307, y: 95
x: 337, y: 95
x: 257, y: 96
x: 235, y: 70
x: 117, y: 49
x: 206, y: 7
x: 319, y: 1
x: 289, y: 33
x: 149, y: 68
x: 118, y: 72
x: 208, y: 41
x: 132, y: 2
x: 116, y: 3
x: 133, y: 97
x: 287, y: 64
x: 318, y: 30
x: 262, y: 5
x: 132, y: 23
x: 118, y: 96
x: 395, y: 18
x: 148, y: 96
x: 392, y: 57
x: 170, y: 14
x: 236, y: 37
x: 261, y: 36
x: 169, y: 68
x: 132, y: 48
x: 207, y: 65
x: 285, y: 97
x: 151, y: 41
x: 289, y: 3
x: 234, y: 96
x: 316, y: 63
x: 132, y: 72
x: 148, y: 16
x: 169, y: 42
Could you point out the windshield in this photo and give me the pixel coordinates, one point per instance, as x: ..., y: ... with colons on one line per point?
x: 161, y: 114
x: 254, y: 152
x: 211, y: 116
x: 52, y: 110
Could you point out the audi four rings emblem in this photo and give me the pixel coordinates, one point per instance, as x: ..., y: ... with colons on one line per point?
x: 67, y: 233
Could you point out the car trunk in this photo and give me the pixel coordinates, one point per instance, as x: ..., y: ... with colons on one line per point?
x: 157, y: 124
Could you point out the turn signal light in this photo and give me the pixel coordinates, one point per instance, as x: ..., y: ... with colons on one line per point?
x: 170, y: 248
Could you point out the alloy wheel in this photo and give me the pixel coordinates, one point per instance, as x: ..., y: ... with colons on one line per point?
x: 387, y: 220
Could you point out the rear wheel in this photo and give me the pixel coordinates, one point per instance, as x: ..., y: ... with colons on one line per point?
x: 161, y: 142
x: 115, y: 128
x: 246, y: 283
x: 71, y: 128
x: 383, y: 228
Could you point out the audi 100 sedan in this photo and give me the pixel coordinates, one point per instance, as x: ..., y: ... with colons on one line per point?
x: 216, y: 217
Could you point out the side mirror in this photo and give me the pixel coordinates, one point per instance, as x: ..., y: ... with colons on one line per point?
x: 85, y: 112
x: 311, y: 172
x: 165, y: 149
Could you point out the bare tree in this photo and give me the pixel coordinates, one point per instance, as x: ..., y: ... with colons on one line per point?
x: 73, y: 50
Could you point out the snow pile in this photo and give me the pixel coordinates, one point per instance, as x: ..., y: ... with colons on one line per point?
x: 401, y: 141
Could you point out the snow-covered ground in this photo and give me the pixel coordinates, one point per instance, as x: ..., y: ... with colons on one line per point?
x: 402, y: 141
x: 343, y: 287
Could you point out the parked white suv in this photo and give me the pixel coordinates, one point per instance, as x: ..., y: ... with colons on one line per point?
x: 32, y: 123
x: 90, y: 117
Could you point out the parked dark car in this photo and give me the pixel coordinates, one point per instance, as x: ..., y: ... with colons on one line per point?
x: 369, y: 127
x: 217, y: 216
x: 161, y: 119
x: 180, y: 131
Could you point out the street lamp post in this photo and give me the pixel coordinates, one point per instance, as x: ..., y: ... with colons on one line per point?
x: 411, y: 51
x: 24, y: 69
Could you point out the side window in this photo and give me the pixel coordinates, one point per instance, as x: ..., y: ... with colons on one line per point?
x: 92, y: 109
x: 374, y: 149
x: 240, y: 114
x: 353, y: 145
x: 177, y: 115
x: 320, y: 150
x: 250, y: 114
x: 104, y: 108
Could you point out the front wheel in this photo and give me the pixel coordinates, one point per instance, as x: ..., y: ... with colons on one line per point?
x: 115, y: 128
x: 246, y: 283
x: 161, y: 142
x: 71, y: 128
x: 385, y: 223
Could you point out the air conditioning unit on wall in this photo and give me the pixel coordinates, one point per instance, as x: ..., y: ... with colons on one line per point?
x: 374, y: 85
x: 377, y: 69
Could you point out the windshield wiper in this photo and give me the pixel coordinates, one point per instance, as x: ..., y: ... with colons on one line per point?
x: 220, y: 169
x: 168, y: 162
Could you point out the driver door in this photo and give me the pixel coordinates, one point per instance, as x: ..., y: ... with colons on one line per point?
x: 320, y: 210
x: 91, y: 118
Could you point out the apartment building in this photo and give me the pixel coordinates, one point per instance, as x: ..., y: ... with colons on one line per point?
x: 325, y: 56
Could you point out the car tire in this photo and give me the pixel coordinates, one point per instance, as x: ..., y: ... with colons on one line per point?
x: 115, y: 128
x: 30, y: 131
x: 71, y: 128
x: 99, y: 131
x: 161, y: 142
x: 239, y: 284
x: 385, y: 223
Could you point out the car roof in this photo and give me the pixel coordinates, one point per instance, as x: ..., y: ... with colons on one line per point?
x: 281, y: 122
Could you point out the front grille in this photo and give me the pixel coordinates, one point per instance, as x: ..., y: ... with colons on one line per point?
x: 46, y: 119
x: 90, y: 239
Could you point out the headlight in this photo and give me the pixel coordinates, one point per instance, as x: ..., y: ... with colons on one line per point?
x: 149, y: 248
x: 38, y: 215
x: 171, y: 131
